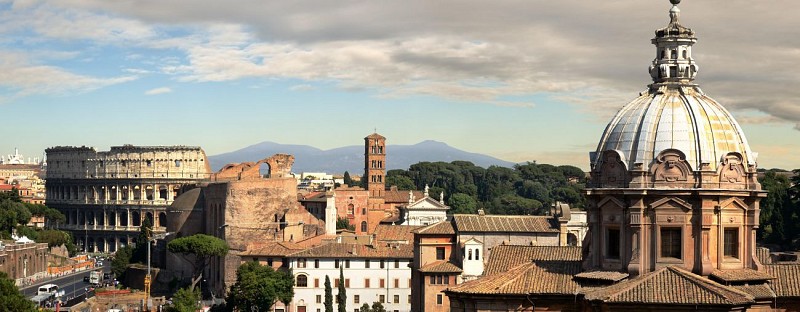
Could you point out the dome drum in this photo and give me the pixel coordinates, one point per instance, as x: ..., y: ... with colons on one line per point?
x: 670, y: 169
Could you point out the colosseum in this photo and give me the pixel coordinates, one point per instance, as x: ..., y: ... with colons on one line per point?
x: 106, y: 196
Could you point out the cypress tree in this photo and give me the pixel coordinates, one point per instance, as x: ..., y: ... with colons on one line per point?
x: 342, y: 295
x: 328, y: 295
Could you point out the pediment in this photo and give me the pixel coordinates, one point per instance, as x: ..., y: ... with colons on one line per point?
x: 612, y: 201
x: 671, y: 202
x: 734, y: 202
x: 427, y: 203
x: 473, y: 241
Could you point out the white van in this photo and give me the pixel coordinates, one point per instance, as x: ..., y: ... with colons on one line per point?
x: 48, y: 289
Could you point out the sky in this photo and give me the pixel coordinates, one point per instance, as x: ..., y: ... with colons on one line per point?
x: 527, y: 80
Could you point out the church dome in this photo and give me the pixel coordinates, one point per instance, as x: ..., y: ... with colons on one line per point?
x: 674, y: 114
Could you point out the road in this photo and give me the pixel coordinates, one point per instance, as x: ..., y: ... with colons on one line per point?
x: 72, y: 285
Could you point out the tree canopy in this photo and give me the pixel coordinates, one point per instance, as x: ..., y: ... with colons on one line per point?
x: 185, y: 300
x: 202, y: 247
x: 258, y: 287
x: 780, y: 210
x: 10, y: 297
x: 528, y: 188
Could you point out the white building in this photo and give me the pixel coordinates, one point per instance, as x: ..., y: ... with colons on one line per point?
x: 371, y: 274
x: 424, y: 211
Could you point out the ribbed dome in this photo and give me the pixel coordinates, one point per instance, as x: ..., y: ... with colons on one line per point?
x: 674, y: 113
x: 675, y: 118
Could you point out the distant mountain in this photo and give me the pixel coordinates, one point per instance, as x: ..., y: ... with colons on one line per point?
x: 351, y: 158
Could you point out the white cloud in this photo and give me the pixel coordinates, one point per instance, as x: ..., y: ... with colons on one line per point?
x: 156, y: 91
x: 591, y: 55
x: 25, y: 78
x: 301, y: 87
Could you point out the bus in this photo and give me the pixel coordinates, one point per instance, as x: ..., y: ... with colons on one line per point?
x: 51, y: 289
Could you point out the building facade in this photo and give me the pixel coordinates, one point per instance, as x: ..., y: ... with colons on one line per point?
x: 107, y: 195
x: 378, y: 273
x: 23, y: 260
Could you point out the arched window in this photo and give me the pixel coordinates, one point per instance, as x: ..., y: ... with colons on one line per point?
x: 469, y: 254
x: 363, y: 226
x: 351, y: 209
x: 302, y: 280
x: 477, y: 254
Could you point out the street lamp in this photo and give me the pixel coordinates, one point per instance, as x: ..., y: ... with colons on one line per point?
x: 148, y: 278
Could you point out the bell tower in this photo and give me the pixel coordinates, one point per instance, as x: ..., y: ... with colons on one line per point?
x: 375, y: 168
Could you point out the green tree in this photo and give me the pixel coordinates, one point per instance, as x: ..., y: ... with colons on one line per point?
x: 347, y: 179
x: 185, y: 300
x: 201, y: 248
x: 328, y: 295
x: 378, y: 307
x: 341, y: 295
x: 258, y: 287
x: 145, y: 232
x: 10, y: 297
x: 122, y: 258
x: 364, y: 308
x: 343, y: 223
x: 773, y: 227
x: 462, y: 203
x: 12, y: 213
x: 398, y: 178
x: 12, y: 195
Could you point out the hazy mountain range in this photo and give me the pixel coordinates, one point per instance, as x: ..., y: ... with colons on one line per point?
x: 351, y: 158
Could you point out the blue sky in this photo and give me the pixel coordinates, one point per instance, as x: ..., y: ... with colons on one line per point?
x: 519, y: 80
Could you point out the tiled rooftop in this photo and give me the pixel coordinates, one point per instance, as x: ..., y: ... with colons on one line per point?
x: 443, y: 227
x: 385, y: 232
x: 539, y: 277
x: 760, y: 291
x: 490, y: 223
x: 742, y: 275
x: 504, y: 257
x: 609, y: 276
x: 440, y: 267
x: 272, y: 249
x: 670, y: 285
x: 787, y: 279
x: 337, y: 250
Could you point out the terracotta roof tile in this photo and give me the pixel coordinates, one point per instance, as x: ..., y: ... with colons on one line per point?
x: 761, y: 291
x: 742, y: 275
x: 443, y: 227
x: 440, y: 267
x: 490, y: 223
x: 398, y: 196
x: 539, y: 277
x: 504, y: 257
x: 385, y: 232
x: 337, y: 250
x: 272, y: 249
x: 670, y: 285
x: 610, y: 276
x: 762, y: 254
x: 787, y: 279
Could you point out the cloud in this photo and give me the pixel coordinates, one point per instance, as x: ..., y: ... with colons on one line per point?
x: 24, y: 78
x: 302, y: 87
x: 593, y: 56
x: 156, y: 91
